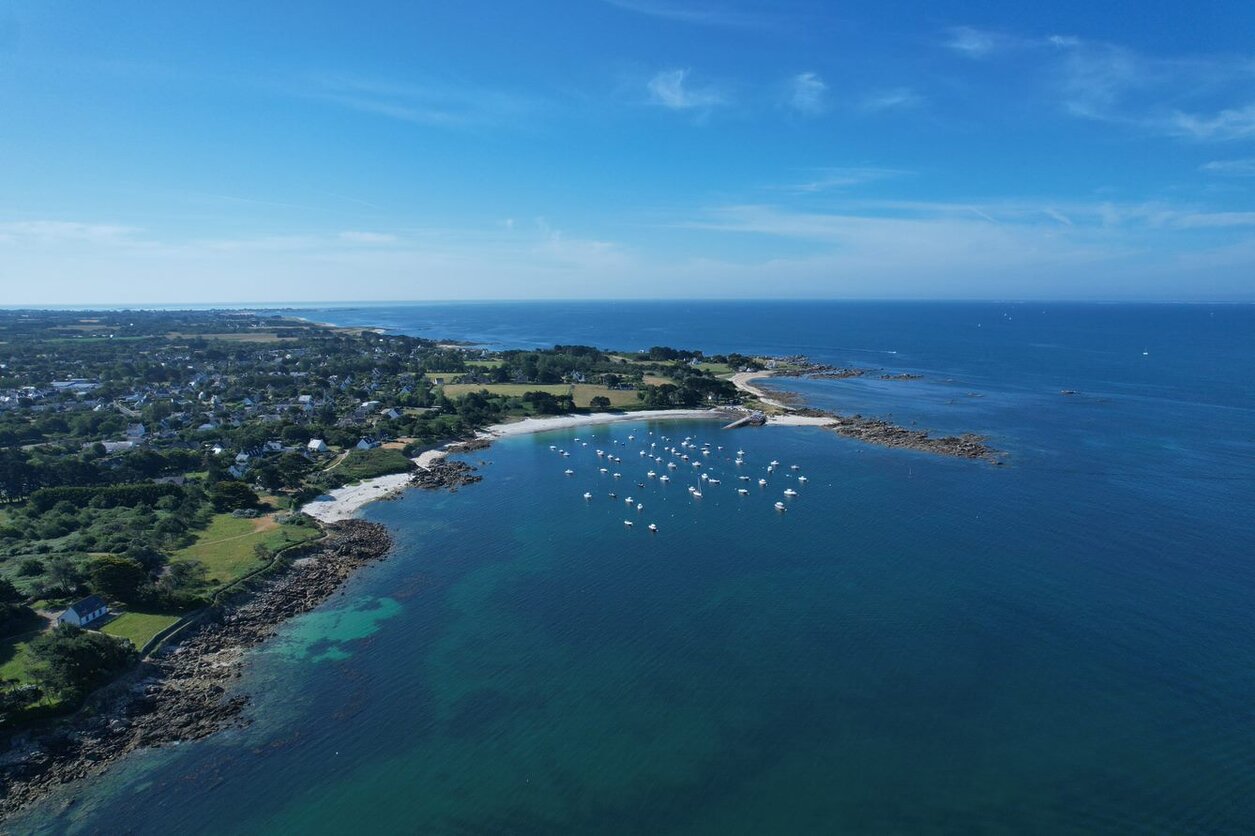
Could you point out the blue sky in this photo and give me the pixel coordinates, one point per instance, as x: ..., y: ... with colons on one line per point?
x: 283, y: 151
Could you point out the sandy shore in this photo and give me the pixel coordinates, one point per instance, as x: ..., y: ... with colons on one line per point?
x: 344, y: 503
x: 528, y: 426
x: 743, y: 381
x: 799, y: 420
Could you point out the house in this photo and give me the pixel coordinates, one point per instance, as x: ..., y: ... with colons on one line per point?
x: 84, y: 612
x: 136, y: 432
x: 391, y: 414
x: 316, y: 445
x: 367, y: 444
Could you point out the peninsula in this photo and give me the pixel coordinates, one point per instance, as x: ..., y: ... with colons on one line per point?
x: 173, y: 484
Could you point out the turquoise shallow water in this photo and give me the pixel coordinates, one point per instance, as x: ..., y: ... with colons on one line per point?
x: 1064, y: 644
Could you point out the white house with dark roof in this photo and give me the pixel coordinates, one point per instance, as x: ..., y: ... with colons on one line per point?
x: 84, y: 612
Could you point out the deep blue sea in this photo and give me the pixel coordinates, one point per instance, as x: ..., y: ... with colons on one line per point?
x: 917, y: 645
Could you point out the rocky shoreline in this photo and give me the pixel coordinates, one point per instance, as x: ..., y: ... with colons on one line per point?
x: 181, y: 693
x: 885, y: 433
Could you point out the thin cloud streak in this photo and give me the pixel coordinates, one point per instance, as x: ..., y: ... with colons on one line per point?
x: 671, y: 90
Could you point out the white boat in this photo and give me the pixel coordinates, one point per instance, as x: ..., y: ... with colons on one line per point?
x: 697, y: 464
x: 697, y: 494
x: 775, y: 463
x: 794, y: 467
x: 713, y: 481
x: 740, y: 461
x: 779, y: 506
x: 664, y: 478
x: 653, y: 527
x: 790, y: 492
x: 762, y: 483
x: 801, y: 479
x: 740, y: 453
x: 614, y: 495
x: 553, y: 447
x: 617, y: 475
x: 691, y: 489
x: 651, y: 474
x: 628, y: 523
x: 587, y: 495
x: 569, y: 472
x: 604, y: 469
x: 742, y: 491
x: 627, y: 501
x: 672, y: 465
x: 601, y: 453
x: 640, y: 506
x: 705, y: 477
x: 743, y: 478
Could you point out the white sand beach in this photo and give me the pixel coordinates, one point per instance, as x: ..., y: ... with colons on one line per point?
x: 343, y: 503
x: 742, y: 381
x: 529, y: 426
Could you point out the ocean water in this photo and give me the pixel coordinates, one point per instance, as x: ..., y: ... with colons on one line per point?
x: 918, y: 644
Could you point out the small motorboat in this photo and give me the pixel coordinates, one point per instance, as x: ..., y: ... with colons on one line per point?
x: 604, y: 469
x: 794, y: 467
x: 587, y: 495
x: 802, y: 479
x: 628, y: 523
x: 790, y: 492
x: 627, y: 501
x: 712, y: 481
x: 617, y: 475
x: 780, y: 506
x: 762, y: 483
x: 653, y: 528
x: 651, y: 474
x: 569, y: 472
x: 640, y: 506
x: 742, y: 491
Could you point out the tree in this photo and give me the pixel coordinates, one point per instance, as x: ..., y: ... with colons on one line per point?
x: 62, y: 572
x: 117, y: 577
x: 70, y: 661
x: 599, y: 402
x: 232, y: 495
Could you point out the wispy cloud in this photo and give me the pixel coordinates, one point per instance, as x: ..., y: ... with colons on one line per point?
x: 434, y: 104
x: 898, y: 98
x: 63, y: 232
x: 1205, y: 98
x: 808, y: 93
x: 842, y: 177
x: 702, y: 14
x: 670, y: 89
x: 369, y: 238
x: 1230, y: 168
x: 977, y: 43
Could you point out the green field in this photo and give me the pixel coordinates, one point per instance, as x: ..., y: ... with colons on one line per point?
x: 15, y: 661
x: 228, y: 546
x: 139, y: 627
x: 445, y: 375
x: 367, y: 464
x: 582, y: 392
x: 510, y: 390
x: 717, y: 369
x: 619, y: 398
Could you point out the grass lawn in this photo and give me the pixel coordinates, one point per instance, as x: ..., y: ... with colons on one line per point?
x: 484, y: 364
x: 15, y: 661
x: 619, y: 398
x: 445, y: 375
x: 367, y: 464
x: 656, y: 380
x: 139, y: 627
x: 228, y: 546
x: 510, y: 390
x: 717, y: 369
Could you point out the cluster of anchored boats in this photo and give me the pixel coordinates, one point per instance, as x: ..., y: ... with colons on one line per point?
x: 673, y: 461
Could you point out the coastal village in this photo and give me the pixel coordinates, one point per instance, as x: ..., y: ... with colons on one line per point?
x: 151, y: 462
x: 159, y: 470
